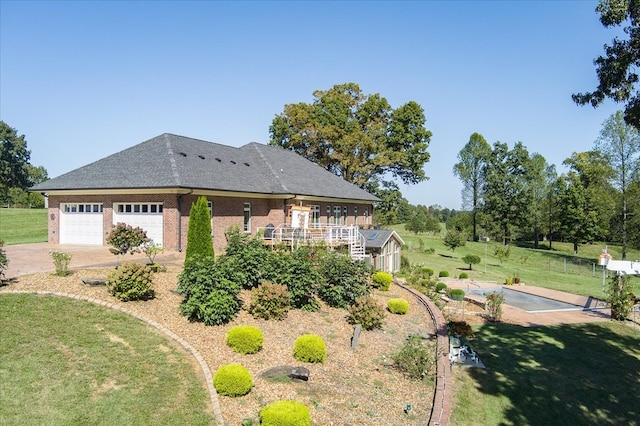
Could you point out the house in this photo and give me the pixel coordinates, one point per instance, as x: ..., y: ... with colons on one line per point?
x: 383, y: 247
x: 153, y: 185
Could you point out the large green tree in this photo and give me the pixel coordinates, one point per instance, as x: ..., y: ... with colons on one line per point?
x: 472, y: 159
x: 21, y: 198
x: 619, y: 143
x: 356, y: 136
x: 507, y: 190
x: 594, y: 173
x: 617, y: 68
x: 577, y: 214
x: 14, y: 159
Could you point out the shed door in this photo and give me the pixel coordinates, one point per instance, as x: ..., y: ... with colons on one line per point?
x: 147, y: 216
x: 81, y: 224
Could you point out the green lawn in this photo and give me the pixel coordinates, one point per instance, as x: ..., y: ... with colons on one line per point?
x: 582, y: 374
x: 66, y: 362
x: 557, y: 269
x: 20, y: 226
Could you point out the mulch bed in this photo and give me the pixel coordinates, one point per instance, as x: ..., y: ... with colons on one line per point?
x: 353, y: 387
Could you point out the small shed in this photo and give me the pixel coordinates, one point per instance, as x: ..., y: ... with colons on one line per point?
x: 383, y: 246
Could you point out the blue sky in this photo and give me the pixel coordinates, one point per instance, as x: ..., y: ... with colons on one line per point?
x: 82, y: 80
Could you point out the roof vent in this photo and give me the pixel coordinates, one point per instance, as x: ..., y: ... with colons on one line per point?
x: 201, y: 157
x: 183, y: 154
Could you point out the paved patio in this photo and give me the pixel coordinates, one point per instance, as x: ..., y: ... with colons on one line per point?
x: 27, y: 259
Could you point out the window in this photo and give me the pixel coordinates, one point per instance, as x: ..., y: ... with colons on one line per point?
x: 247, y: 217
x: 139, y: 208
x: 210, y: 205
x: 315, y: 216
x: 328, y: 215
x: 366, y: 215
x: 355, y: 215
x: 344, y: 213
x: 82, y: 208
x: 337, y: 213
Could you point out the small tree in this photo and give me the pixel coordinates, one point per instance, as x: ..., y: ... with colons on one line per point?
x: 503, y: 252
x: 126, y: 239
x: 199, y: 240
x: 454, y: 239
x: 471, y: 259
x: 620, y: 297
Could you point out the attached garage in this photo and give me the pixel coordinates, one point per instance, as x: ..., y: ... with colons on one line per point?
x: 81, y: 224
x: 147, y: 216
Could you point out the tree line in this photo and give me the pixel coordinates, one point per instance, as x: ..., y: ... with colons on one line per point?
x: 17, y: 174
x: 516, y: 195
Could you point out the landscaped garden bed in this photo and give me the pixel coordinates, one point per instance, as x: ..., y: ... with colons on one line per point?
x: 351, y: 387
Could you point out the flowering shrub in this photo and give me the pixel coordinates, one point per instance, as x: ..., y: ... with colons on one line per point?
x: 126, y: 239
x: 131, y: 281
x: 366, y: 312
x: 493, y: 306
x: 61, y: 262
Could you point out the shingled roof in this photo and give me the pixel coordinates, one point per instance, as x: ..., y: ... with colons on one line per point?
x: 171, y: 161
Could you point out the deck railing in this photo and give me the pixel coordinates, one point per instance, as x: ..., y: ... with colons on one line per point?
x: 331, y: 235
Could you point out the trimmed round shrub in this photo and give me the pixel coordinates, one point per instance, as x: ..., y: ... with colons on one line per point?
x: 270, y: 301
x: 366, y: 312
x: 382, y: 280
x: 440, y: 286
x: 285, y: 413
x: 131, y: 281
x: 456, y: 294
x: 245, y: 339
x: 310, y: 348
x: 463, y: 275
x: 232, y: 380
x: 428, y: 272
x: 398, y: 306
x: 443, y: 274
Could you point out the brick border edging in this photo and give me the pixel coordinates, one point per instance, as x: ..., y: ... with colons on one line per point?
x: 203, y: 365
x: 441, y: 407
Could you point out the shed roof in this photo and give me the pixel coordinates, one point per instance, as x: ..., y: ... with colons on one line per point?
x: 377, y: 238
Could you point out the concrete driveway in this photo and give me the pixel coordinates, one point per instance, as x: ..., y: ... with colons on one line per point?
x: 27, y: 259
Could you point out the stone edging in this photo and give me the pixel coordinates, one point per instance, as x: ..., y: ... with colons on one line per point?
x: 203, y: 365
x: 441, y: 406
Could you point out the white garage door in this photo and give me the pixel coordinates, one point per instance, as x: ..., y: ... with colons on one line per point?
x: 147, y: 216
x: 81, y: 224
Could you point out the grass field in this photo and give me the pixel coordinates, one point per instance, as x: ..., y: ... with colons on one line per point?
x: 91, y: 366
x: 21, y: 226
x: 580, y: 374
x: 557, y: 269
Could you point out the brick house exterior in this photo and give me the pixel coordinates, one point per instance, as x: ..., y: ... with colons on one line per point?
x: 153, y: 185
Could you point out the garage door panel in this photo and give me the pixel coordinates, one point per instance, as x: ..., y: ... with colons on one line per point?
x: 81, y: 228
x: 151, y: 223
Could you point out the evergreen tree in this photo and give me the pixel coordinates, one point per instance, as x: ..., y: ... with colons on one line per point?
x: 199, y: 241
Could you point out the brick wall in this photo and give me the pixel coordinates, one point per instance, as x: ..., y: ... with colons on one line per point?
x: 227, y: 212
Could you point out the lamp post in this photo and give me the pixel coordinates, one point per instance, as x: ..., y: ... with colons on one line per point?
x: 603, y: 260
